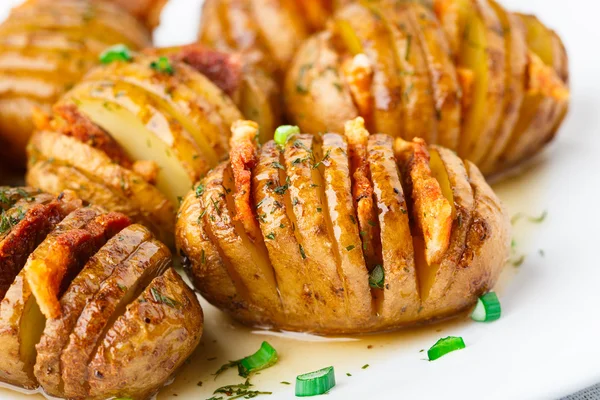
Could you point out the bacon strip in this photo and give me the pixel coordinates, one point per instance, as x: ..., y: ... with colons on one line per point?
x: 244, y: 158
x: 66, y: 256
x: 362, y: 188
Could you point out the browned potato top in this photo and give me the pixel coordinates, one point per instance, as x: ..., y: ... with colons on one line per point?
x: 357, y: 233
x: 466, y: 74
x: 135, y: 134
x: 46, y: 46
x: 87, y: 299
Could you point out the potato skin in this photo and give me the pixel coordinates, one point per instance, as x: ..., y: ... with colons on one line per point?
x: 80, y: 31
x: 459, y: 75
x: 469, y: 265
x: 266, y: 31
x: 160, y: 328
x: 143, y: 335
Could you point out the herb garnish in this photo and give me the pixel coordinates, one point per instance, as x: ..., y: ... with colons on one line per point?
x: 200, y: 190
x: 163, y: 65
x: 160, y: 298
x: 377, y: 277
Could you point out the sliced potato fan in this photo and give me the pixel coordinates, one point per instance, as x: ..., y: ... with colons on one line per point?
x: 45, y: 48
x: 361, y: 233
x: 138, y: 132
x: 94, y: 294
x: 465, y: 74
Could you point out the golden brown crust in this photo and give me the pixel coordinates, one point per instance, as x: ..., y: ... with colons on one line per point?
x: 46, y: 274
x: 429, y: 212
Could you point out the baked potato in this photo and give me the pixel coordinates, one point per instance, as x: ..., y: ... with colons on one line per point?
x: 335, y: 234
x: 46, y: 46
x: 465, y: 74
x: 266, y: 32
x: 90, y: 305
x: 133, y: 136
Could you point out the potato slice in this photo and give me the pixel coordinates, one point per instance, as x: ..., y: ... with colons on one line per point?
x: 201, y: 259
x: 40, y: 216
x: 144, y: 346
x: 432, y: 210
x: 362, y: 191
x: 516, y: 56
x: 541, y: 108
x: 316, y: 98
x: 48, y: 266
x: 281, y: 27
x: 57, y: 178
x: 249, y: 265
x: 401, y: 289
x: 157, y: 137
x: 211, y: 28
x: 51, y: 147
x: 487, y: 247
x: 127, y: 281
x: 334, y: 167
x: 21, y: 321
x: 362, y: 32
x: 442, y: 73
x: 240, y: 29
x: 279, y: 233
x: 419, y: 118
x: 314, y: 230
x: 85, y: 285
x: 191, y: 98
x: 482, y: 53
x: 96, y: 19
x: 451, y: 174
x: 259, y: 101
x: 18, y: 311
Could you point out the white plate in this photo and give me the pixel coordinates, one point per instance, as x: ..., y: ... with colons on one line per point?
x: 546, y: 343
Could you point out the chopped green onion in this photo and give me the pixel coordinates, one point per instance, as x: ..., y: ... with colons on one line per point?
x: 162, y: 65
x: 487, y: 308
x: 263, y: 358
x: 118, y: 52
x: 315, y: 383
x: 445, y: 346
x: 284, y: 132
x: 377, y: 277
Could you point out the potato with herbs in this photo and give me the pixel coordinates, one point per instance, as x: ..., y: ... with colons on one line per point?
x: 136, y: 133
x: 90, y: 306
x: 334, y: 234
x: 46, y: 46
x: 465, y: 74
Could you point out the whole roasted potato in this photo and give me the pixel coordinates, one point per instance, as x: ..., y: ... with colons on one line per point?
x: 266, y: 32
x: 45, y: 48
x: 134, y: 135
x: 89, y: 304
x: 342, y: 234
x: 466, y: 74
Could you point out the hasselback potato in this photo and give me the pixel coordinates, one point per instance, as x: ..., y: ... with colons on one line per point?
x: 342, y: 234
x: 90, y: 305
x: 465, y: 74
x: 267, y: 32
x: 134, y: 135
x: 45, y: 48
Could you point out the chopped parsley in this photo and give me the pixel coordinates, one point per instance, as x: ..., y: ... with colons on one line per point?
x: 302, y: 253
x: 200, y: 190
x: 160, y: 298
